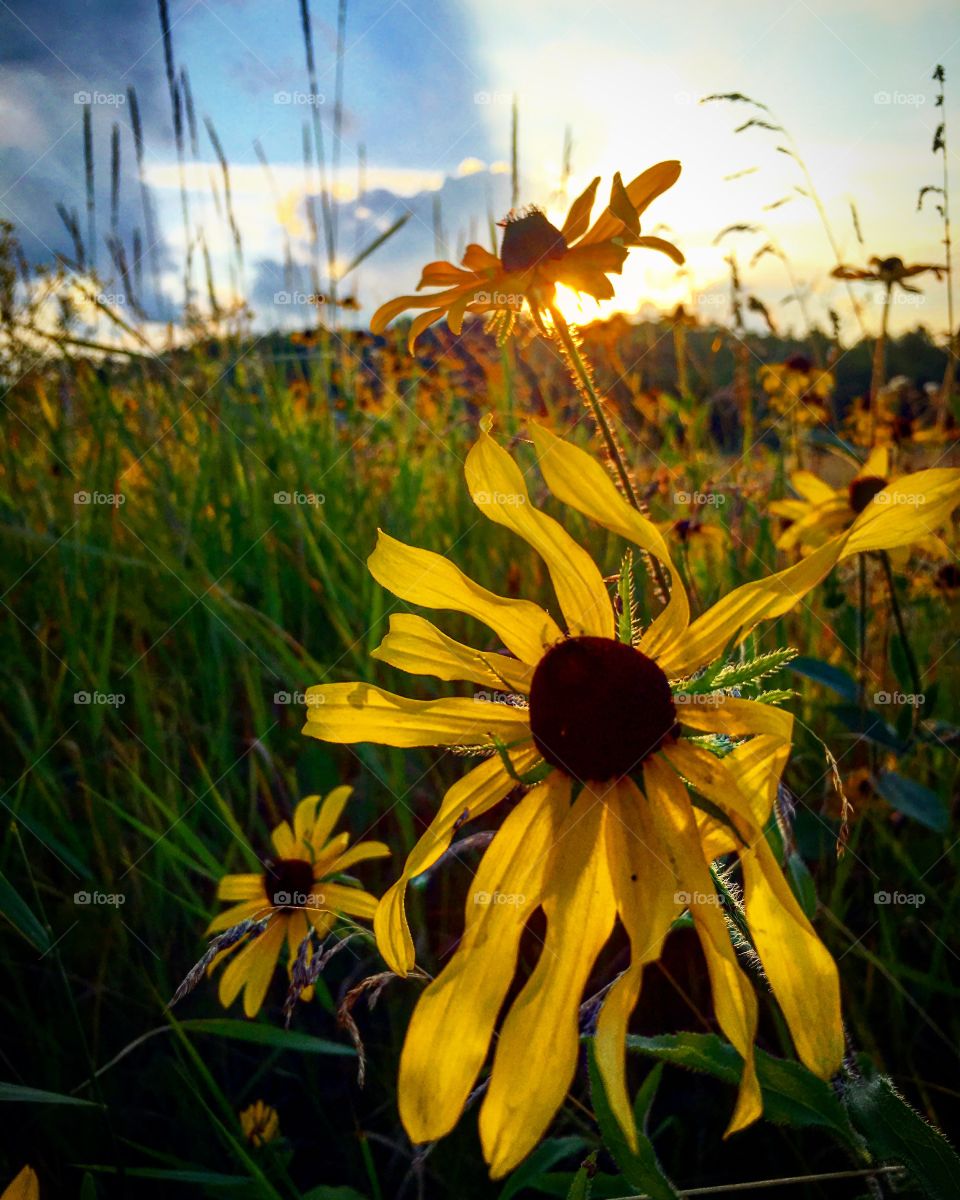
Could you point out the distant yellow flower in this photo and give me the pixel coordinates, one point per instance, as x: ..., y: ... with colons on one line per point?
x: 822, y: 511
x: 260, y: 1123
x: 298, y: 891
x: 798, y: 387
x: 26, y: 1186
x: 599, y: 729
x: 535, y: 256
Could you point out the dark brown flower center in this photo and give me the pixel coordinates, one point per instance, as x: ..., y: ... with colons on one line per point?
x: 799, y: 362
x: 288, y: 882
x: 863, y: 490
x: 528, y: 240
x: 948, y: 577
x: 598, y: 708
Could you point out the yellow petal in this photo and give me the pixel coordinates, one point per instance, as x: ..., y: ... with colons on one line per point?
x: 240, y: 887
x: 661, y: 244
x: 451, y: 1027
x: 252, y: 967
x: 26, y: 1186
x: 640, y: 192
x: 536, y: 1054
x: 733, y: 716
x: 578, y: 218
x: 877, y: 465
x: 428, y: 579
x: 812, y: 488
x: 303, y: 818
x: 329, y: 815
x: 577, y: 479
x: 474, y: 794
x: 361, y: 852
x: 283, y: 841
x: 800, y: 969
x: 416, y: 646
x: 240, y: 912
x: 733, y: 998
x: 645, y: 889
x: 336, y: 897
x: 498, y: 489
x: 907, y: 510
x: 359, y: 712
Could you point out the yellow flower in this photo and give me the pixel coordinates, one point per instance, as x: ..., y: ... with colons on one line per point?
x: 26, y: 1186
x: 799, y: 387
x: 535, y: 256
x: 822, y: 511
x: 608, y: 831
x: 297, y: 892
x: 260, y: 1123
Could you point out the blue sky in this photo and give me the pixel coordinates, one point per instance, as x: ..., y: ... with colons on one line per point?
x: 428, y: 88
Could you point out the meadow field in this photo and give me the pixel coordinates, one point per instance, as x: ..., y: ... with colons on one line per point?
x: 187, y: 519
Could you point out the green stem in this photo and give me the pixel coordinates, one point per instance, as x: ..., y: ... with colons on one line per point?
x: 901, y: 629
x: 584, y: 382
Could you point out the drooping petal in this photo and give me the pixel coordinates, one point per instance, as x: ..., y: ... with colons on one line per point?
x: 733, y: 997
x: 422, y: 323
x: 661, y: 244
x: 358, y: 712
x: 499, y: 490
x: 416, y: 646
x: 451, y: 1027
x: 578, y: 218
x: 536, y: 1054
x: 251, y: 968
x: 800, y: 969
x: 579, y: 480
x: 640, y: 192
x: 432, y: 581
x: 645, y: 889
x: 393, y: 308
x: 907, y: 510
x: 471, y: 796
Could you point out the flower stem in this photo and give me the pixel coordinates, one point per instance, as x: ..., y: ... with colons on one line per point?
x: 583, y: 380
x: 902, y: 630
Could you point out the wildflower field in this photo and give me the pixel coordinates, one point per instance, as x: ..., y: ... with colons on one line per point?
x: 462, y: 740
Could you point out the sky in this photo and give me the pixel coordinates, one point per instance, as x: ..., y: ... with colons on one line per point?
x: 428, y: 86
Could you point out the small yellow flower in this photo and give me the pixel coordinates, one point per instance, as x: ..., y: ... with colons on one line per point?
x: 260, y: 1123
x: 535, y: 256
x: 609, y: 744
x: 300, y: 890
x: 821, y: 511
x: 799, y: 388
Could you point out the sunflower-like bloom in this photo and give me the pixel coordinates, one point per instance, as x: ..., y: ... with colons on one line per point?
x: 260, y: 1123
x: 799, y: 387
x: 611, y: 745
x: 535, y: 256
x: 300, y: 889
x: 891, y: 272
x: 821, y: 512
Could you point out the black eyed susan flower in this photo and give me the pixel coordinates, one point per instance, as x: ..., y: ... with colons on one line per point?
x: 821, y: 511
x: 600, y: 734
x: 260, y: 1123
x: 798, y: 387
x: 535, y: 256
x: 300, y: 890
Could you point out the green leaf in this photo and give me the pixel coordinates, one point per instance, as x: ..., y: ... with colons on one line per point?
x: 546, y: 1155
x: 802, y: 883
x: 868, y: 725
x: 792, y: 1095
x: 18, y: 1094
x: 835, y: 678
x: 641, y: 1169
x: 324, y: 1192
x: 266, y: 1035
x: 580, y: 1188
x: 897, y: 1134
x: 21, y: 916
x: 914, y: 800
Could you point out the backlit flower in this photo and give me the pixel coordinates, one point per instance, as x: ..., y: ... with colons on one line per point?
x: 609, y: 739
x: 260, y: 1123
x: 535, y: 256
x: 302, y: 888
